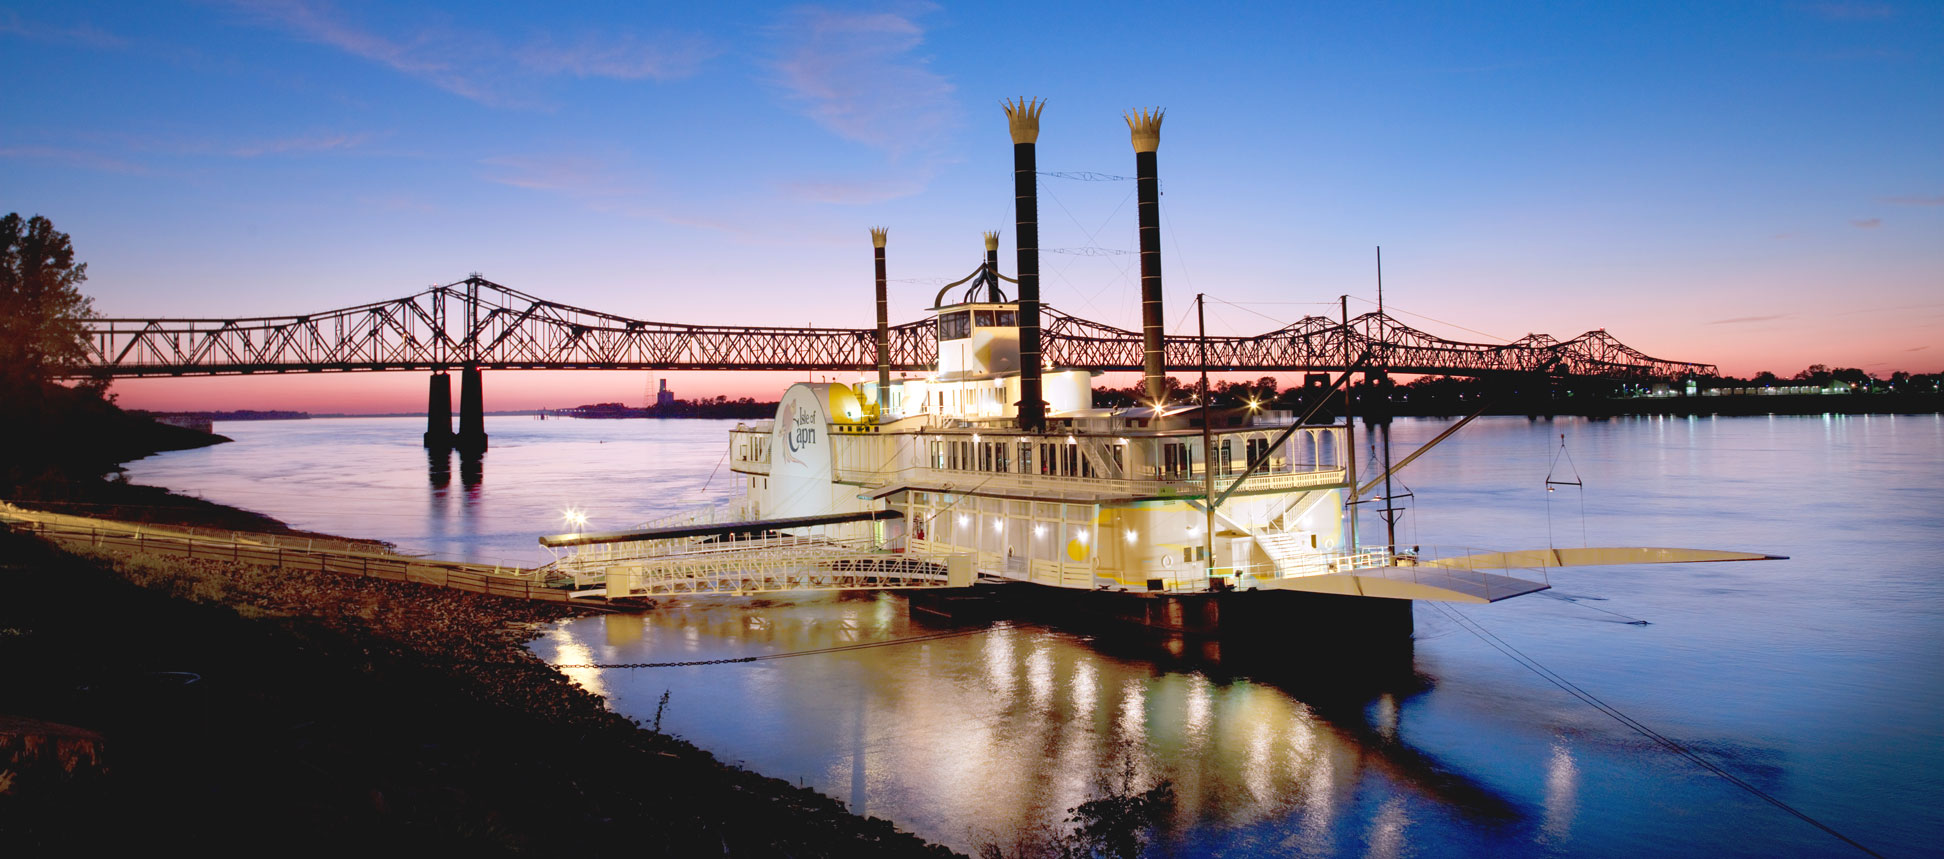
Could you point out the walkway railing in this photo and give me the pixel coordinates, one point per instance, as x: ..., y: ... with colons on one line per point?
x: 283, y: 551
x: 748, y: 563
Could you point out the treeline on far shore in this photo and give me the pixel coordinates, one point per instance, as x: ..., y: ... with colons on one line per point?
x: 231, y: 415
x: 721, y: 408
x: 1817, y: 390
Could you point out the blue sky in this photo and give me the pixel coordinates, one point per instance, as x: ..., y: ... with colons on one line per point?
x: 1759, y: 185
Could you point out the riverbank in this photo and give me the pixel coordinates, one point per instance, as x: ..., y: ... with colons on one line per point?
x: 244, y: 708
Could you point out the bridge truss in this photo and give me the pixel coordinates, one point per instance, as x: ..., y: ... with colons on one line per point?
x: 480, y: 323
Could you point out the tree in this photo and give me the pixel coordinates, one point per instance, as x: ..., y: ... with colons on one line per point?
x: 43, y: 314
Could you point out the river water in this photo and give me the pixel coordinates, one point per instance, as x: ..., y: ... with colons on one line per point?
x: 1815, y: 683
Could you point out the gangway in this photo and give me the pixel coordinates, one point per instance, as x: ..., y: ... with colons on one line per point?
x: 809, y: 553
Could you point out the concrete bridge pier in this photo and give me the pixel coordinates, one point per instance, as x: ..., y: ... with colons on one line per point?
x: 472, y: 411
x: 438, y: 412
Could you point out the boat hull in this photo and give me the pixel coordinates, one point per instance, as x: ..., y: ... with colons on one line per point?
x: 1269, y: 618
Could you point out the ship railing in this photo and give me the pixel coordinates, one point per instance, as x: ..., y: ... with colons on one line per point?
x: 1182, y: 483
x: 1362, y: 559
x: 1308, y: 564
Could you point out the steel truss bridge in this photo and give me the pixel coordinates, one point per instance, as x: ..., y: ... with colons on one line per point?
x: 478, y: 323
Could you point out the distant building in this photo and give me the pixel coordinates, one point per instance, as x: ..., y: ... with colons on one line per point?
x: 664, y: 397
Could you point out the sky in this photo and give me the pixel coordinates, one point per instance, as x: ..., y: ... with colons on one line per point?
x: 1755, y: 185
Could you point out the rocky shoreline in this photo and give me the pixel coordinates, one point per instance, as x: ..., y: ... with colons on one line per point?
x: 247, y: 708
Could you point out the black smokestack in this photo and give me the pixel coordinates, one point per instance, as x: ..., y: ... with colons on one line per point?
x: 1024, y: 117
x: 1145, y: 128
x: 878, y: 235
x: 992, y: 267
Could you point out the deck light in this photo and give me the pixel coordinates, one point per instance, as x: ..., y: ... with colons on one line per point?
x: 574, y: 518
x: 1132, y: 535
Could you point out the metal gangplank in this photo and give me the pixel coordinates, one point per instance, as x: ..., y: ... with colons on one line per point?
x: 818, y: 553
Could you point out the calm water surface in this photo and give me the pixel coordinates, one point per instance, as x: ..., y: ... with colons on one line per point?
x: 1816, y: 680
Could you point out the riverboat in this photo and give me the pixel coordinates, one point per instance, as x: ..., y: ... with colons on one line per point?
x: 999, y: 465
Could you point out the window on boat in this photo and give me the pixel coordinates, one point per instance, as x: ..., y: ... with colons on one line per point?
x: 1174, y: 460
x: 1224, y: 458
x: 1025, y: 458
x: 956, y: 325
x: 984, y: 318
x: 1008, y: 318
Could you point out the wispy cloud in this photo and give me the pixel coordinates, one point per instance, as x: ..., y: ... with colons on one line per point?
x: 421, y: 56
x: 74, y: 158
x: 612, y: 187
x: 312, y: 143
x: 400, y: 203
x: 1911, y: 200
x: 861, y: 77
x: 1745, y: 319
x: 1852, y: 11
x: 624, y: 57
x: 858, y: 75
x: 861, y: 191
x: 576, y: 176
x: 76, y: 34
x: 478, y: 65
x: 1867, y: 223
x: 1916, y: 348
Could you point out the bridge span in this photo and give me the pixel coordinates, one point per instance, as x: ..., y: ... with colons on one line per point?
x: 478, y: 323
x: 475, y: 325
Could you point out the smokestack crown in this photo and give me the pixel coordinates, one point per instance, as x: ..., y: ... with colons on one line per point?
x: 1024, y: 117
x: 1145, y: 128
x: 992, y: 240
x: 878, y: 235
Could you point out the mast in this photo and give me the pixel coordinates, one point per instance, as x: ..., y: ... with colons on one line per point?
x: 1208, y: 446
x: 1390, y: 504
x: 1349, y: 431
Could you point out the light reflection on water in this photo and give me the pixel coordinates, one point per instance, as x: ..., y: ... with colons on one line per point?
x: 1814, y: 679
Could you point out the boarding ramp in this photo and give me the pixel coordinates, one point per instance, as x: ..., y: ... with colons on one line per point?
x: 839, y: 552
x: 1466, y: 576
x: 1377, y: 571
